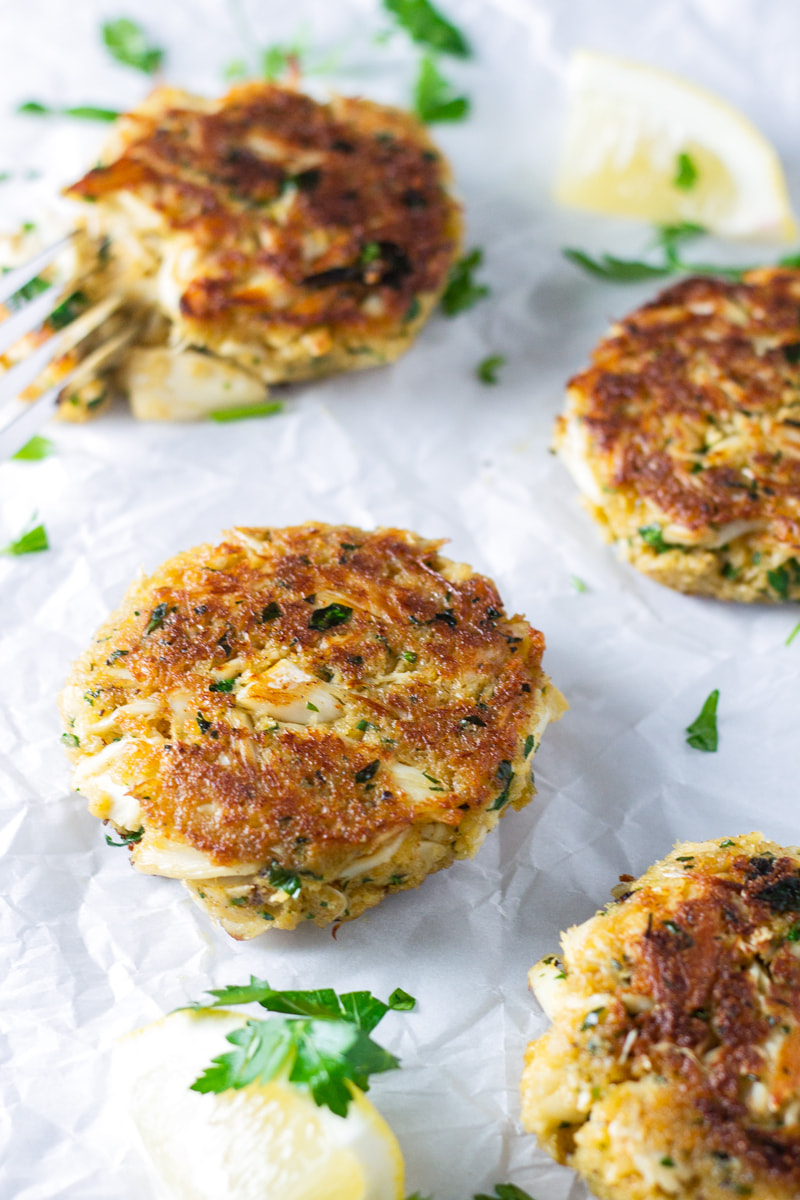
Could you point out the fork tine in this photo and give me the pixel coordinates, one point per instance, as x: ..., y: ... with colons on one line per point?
x: 29, y: 417
x: 23, y: 373
x: 27, y: 420
x: 27, y: 319
x: 13, y: 280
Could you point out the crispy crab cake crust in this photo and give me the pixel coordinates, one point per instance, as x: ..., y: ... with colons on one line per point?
x: 301, y: 720
x: 684, y: 436
x: 290, y: 238
x: 672, y: 1067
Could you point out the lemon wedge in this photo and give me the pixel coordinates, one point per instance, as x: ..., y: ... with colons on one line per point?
x: 256, y: 1143
x: 642, y: 142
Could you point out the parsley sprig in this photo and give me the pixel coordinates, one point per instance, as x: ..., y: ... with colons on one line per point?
x: 323, y: 1044
x: 663, y: 257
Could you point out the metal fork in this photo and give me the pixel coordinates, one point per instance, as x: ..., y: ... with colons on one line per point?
x: 20, y: 419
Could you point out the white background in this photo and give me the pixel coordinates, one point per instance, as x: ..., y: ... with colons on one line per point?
x: 90, y: 949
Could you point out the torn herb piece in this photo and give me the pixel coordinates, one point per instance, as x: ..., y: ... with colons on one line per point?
x: 68, y: 310
x: 434, y: 98
x: 35, y: 450
x: 793, y: 634
x: 652, y: 536
x: 330, y: 616
x: 287, y: 881
x: 70, y: 739
x: 427, y: 26
x: 779, y: 581
x: 505, y: 776
x: 203, y: 724
x: 157, y: 617
x: 368, y: 772
x: 127, y: 43
x: 487, y: 370
x: 222, y: 685
x: 578, y: 584
x: 270, y: 612
x: 703, y: 731
x: 461, y: 291
x: 685, y: 172
x: 32, y: 542
x: 128, y: 839
x: 243, y: 411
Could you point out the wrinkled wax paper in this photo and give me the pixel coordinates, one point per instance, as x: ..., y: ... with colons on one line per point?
x: 90, y: 948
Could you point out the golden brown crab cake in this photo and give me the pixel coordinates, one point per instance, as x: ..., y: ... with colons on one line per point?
x: 684, y: 436
x: 672, y: 1068
x: 264, y: 238
x: 298, y: 721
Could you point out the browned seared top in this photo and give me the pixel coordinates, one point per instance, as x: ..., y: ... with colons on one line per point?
x: 414, y: 652
x: 341, y: 202
x: 693, y: 402
x: 718, y: 953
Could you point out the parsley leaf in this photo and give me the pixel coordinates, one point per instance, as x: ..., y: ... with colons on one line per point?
x: 86, y: 112
x: 89, y: 112
x: 31, y: 542
x: 426, y: 26
x: 324, y: 1042
x: 505, y: 1191
x: 703, y: 731
x: 288, y: 881
x: 488, y: 368
x: 243, y: 411
x: 461, y: 292
x: 578, y: 583
x: 127, y: 839
x: 361, y: 1008
x: 221, y: 685
x: 434, y: 99
x: 793, y: 634
x: 35, y: 450
x: 505, y: 775
x: 686, y: 173
x: 126, y: 42
x: 157, y: 617
x: 330, y: 616
x: 652, y: 536
x: 68, y: 310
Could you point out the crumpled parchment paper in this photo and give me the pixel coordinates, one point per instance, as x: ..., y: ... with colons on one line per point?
x: 90, y: 948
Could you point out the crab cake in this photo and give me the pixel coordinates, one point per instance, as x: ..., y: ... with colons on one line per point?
x: 264, y: 238
x: 298, y: 721
x: 672, y: 1068
x: 684, y: 436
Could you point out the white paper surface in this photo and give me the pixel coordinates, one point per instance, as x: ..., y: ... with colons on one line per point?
x: 90, y: 948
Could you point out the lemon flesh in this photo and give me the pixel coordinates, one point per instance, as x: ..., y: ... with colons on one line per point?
x: 630, y: 126
x: 256, y: 1143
